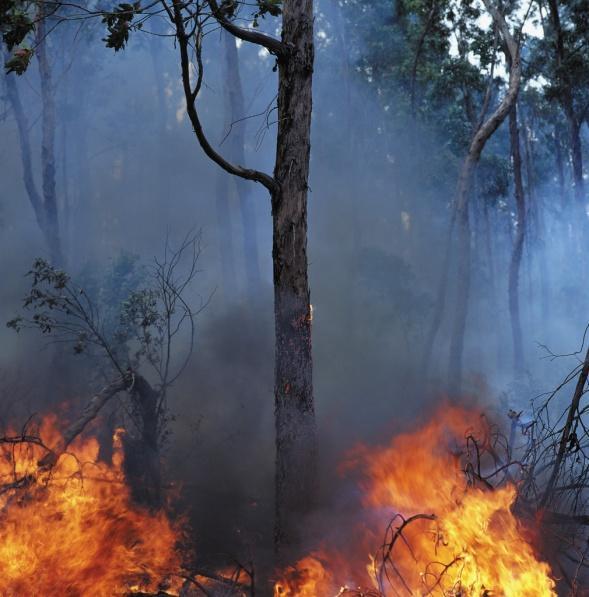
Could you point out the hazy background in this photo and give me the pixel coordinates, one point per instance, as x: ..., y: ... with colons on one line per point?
x: 130, y: 172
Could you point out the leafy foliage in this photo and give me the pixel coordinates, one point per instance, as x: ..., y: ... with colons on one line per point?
x: 16, y: 23
x: 19, y: 61
x: 266, y: 7
x: 119, y: 23
x: 131, y: 316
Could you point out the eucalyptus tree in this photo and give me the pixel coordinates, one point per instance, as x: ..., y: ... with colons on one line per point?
x: 563, y: 59
x: 17, y: 21
x: 287, y: 187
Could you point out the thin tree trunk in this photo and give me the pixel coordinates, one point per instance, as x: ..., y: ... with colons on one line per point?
x: 559, y: 164
x: 417, y: 55
x: 225, y: 234
x: 574, y: 123
x: 477, y: 145
x: 535, y: 207
x: 48, y: 144
x: 577, y: 160
x: 463, y: 282
x: 25, y: 150
x: 518, y: 245
x: 296, y: 474
x: 235, y: 109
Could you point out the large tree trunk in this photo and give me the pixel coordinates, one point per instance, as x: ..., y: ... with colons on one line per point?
x: 48, y: 144
x: 518, y: 245
x: 235, y: 110
x: 293, y: 387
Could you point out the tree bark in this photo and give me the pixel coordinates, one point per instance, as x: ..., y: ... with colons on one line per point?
x: 518, y: 245
x: 48, y: 143
x: 293, y: 387
x: 142, y: 465
x: 296, y: 474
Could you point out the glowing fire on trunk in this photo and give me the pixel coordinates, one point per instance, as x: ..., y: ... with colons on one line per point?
x: 72, y: 530
x: 448, y: 532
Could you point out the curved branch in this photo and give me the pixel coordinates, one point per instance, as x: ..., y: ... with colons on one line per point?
x: 488, y: 127
x: 273, y: 45
x: 191, y: 94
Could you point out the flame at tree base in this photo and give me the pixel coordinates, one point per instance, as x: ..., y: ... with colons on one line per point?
x: 73, y: 530
x: 446, y: 535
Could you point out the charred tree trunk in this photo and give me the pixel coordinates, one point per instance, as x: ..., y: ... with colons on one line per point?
x: 518, y: 245
x: 296, y: 474
x: 48, y: 144
x: 293, y: 386
x: 141, y: 447
x: 235, y: 109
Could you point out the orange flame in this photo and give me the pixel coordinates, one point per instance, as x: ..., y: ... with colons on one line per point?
x: 74, y: 530
x: 464, y: 539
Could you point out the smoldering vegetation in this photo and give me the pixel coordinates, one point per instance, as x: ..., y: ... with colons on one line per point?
x: 131, y: 177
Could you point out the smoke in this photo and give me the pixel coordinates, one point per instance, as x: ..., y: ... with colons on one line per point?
x: 130, y: 173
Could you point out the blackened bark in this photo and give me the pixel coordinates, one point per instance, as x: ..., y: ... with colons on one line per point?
x: 293, y: 386
x: 48, y: 144
x: 294, y: 407
x: 142, y: 465
x: 235, y: 109
x: 518, y: 245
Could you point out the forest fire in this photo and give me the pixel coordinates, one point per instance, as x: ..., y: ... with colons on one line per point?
x: 71, y: 529
x: 448, y: 531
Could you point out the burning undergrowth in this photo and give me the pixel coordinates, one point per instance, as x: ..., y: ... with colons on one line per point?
x: 445, y: 495
x: 436, y: 517
x: 71, y: 528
